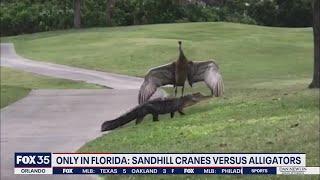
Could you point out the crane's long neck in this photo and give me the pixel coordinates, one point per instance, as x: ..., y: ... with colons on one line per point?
x: 182, y: 57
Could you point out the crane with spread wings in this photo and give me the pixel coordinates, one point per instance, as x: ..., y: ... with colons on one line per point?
x: 176, y: 73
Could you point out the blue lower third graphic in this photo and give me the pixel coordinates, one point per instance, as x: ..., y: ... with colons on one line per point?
x: 24, y: 159
x: 259, y: 170
x: 100, y: 170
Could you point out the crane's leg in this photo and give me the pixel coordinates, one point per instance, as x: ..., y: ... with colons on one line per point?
x: 182, y: 90
x: 175, y: 91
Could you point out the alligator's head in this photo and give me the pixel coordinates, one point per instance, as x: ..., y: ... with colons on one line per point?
x: 191, y: 99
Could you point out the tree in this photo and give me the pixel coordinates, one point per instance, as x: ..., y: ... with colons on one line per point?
x: 316, y: 38
x: 109, y: 11
x: 77, y: 13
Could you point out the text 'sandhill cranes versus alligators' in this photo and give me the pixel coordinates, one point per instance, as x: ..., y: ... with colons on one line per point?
x: 178, y: 72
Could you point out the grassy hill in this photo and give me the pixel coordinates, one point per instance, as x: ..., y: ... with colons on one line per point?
x: 266, y: 52
x: 266, y: 108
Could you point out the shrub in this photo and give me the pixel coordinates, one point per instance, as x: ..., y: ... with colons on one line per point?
x: 28, y: 16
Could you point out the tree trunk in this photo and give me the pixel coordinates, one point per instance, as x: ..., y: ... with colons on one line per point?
x: 65, y: 23
x: 109, y: 11
x: 316, y: 36
x: 77, y: 13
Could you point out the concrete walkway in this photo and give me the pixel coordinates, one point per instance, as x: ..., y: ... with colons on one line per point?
x: 60, y: 120
x: 9, y: 58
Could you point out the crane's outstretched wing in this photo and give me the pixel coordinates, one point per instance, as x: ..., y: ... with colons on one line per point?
x: 155, y: 78
x: 207, y: 71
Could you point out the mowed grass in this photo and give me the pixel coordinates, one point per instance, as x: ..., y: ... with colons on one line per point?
x: 244, y: 52
x: 17, y: 84
x: 10, y: 94
x: 262, y: 119
x: 266, y: 107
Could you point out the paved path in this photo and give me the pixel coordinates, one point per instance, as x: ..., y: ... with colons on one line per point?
x: 59, y: 120
x: 9, y: 58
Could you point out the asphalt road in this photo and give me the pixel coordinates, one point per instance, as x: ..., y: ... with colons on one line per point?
x: 60, y: 120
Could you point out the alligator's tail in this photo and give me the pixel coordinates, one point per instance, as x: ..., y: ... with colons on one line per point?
x: 122, y: 120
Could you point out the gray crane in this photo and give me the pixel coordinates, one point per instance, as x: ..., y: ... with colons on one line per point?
x: 176, y: 73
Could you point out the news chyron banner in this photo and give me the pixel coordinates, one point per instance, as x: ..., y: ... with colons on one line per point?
x: 109, y: 163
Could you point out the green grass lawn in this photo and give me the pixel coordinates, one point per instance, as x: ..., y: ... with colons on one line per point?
x: 266, y: 107
x: 267, y: 52
x: 17, y: 84
x: 261, y: 118
x: 10, y: 94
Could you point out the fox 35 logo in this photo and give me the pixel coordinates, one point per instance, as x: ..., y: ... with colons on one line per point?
x: 28, y: 159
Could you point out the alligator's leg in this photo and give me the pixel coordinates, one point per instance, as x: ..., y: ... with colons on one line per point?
x: 180, y: 112
x: 155, y: 117
x: 140, y: 116
x: 172, y: 114
x: 139, y: 120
